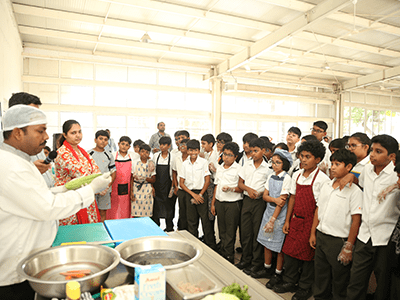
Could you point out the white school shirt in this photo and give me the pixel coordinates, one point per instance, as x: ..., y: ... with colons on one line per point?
x: 255, y: 178
x: 227, y: 177
x: 29, y: 211
x: 335, y: 208
x: 319, y: 180
x: 286, y: 185
x: 359, y: 167
x: 378, y: 219
x: 164, y: 161
x: 177, y: 166
x: 194, y: 173
x: 244, y: 159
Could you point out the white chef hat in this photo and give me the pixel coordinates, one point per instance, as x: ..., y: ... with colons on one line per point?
x: 20, y: 116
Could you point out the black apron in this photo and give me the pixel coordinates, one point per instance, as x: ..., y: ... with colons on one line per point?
x: 162, y: 205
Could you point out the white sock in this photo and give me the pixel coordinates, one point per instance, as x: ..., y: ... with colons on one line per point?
x: 267, y: 266
x: 279, y: 272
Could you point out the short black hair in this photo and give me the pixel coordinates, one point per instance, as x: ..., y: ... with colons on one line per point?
x: 309, y: 138
x: 224, y: 137
x: 321, y: 124
x: 193, y: 144
x: 316, y: 148
x: 337, y: 143
x: 295, y: 130
x: 165, y: 140
x: 176, y: 133
x: 138, y: 143
x: 268, y: 145
x: 102, y: 133
x: 257, y: 143
x: 125, y: 139
x: 285, y: 162
x: 233, y: 147
x: 185, y: 133
x: 23, y: 98
x: 283, y: 146
x: 209, y: 138
x: 386, y: 141
x: 363, y: 139
x: 249, y: 136
x: 185, y: 141
x: 144, y: 147
x: 158, y: 124
x: 397, y: 167
x: 345, y: 156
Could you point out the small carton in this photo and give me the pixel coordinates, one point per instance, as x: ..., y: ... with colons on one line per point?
x: 150, y: 282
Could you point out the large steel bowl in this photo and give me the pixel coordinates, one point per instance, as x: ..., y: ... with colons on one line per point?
x: 172, y: 253
x: 42, y: 269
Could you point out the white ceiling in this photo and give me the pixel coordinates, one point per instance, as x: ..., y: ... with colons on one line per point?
x: 318, y: 43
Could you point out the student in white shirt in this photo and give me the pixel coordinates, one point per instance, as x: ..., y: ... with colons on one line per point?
x: 252, y: 181
x: 227, y: 199
x: 334, y: 231
x: 245, y: 155
x: 194, y: 181
x: 379, y: 218
x: 319, y: 131
x: 176, y: 173
x: 360, y: 144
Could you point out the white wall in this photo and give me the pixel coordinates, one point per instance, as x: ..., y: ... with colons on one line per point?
x: 10, y: 55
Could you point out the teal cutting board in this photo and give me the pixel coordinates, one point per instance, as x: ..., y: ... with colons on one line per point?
x: 128, y: 229
x: 93, y: 232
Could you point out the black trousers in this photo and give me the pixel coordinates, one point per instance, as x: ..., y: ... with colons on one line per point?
x: 182, y: 220
x: 195, y: 212
x: 368, y: 258
x: 299, y: 272
x: 19, y: 291
x: 331, y: 276
x: 251, y: 217
x: 228, y: 220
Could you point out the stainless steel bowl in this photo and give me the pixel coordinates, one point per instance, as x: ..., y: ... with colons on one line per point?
x: 172, y: 253
x: 42, y: 269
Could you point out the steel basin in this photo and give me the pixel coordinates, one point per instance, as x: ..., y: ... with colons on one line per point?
x: 172, y: 253
x: 42, y: 269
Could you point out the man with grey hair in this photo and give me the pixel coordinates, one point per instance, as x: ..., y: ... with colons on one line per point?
x: 155, y: 138
x: 29, y: 210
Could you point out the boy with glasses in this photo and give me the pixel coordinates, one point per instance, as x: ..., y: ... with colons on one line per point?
x: 319, y: 131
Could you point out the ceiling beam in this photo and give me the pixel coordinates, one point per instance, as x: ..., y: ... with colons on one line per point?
x: 118, y: 42
x: 367, y: 80
x: 278, y: 36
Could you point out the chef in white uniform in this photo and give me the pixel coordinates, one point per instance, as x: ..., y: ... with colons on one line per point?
x: 29, y: 210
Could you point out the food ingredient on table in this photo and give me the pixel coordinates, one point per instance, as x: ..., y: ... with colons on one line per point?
x: 189, y: 288
x: 236, y: 290
x: 221, y: 296
x: 75, y: 274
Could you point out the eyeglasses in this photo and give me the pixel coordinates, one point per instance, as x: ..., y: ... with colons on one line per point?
x: 277, y: 163
x: 317, y: 130
x: 352, y: 146
x: 228, y: 155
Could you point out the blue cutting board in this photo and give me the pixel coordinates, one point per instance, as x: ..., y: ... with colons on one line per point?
x: 128, y: 229
x: 93, y: 232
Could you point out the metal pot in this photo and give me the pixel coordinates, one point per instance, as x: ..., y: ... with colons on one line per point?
x: 42, y: 269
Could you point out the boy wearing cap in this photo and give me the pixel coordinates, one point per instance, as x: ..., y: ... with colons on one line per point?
x: 29, y: 210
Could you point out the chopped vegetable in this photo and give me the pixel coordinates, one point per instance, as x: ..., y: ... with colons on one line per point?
x: 75, y: 274
x: 221, y: 296
x: 236, y: 290
x: 189, y: 288
x: 78, y: 182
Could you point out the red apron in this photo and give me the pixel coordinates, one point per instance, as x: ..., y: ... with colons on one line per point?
x: 297, y: 243
x: 120, y: 194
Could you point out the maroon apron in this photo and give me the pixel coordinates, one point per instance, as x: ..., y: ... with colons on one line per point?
x: 297, y: 243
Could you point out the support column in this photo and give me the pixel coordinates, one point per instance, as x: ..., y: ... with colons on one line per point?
x: 216, y: 92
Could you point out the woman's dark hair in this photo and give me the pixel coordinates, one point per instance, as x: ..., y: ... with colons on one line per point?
x: 282, y: 146
x: 316, y: 148
x: 285, y: 162
x: 65, y: 128
x: 363, y: 139
x: 233, y: 147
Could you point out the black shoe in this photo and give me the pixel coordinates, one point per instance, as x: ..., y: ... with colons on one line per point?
x: 302, y: 294
x: 276, y: 279
x: 231, y: 259
x: 284, y: 287
x: 241, y: 265
x: 263, y: 273
x: 239, y: 250
x: 252, y: 269
x: 168, y: 229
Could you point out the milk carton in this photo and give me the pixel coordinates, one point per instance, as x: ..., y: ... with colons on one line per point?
x: 150, y: 282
